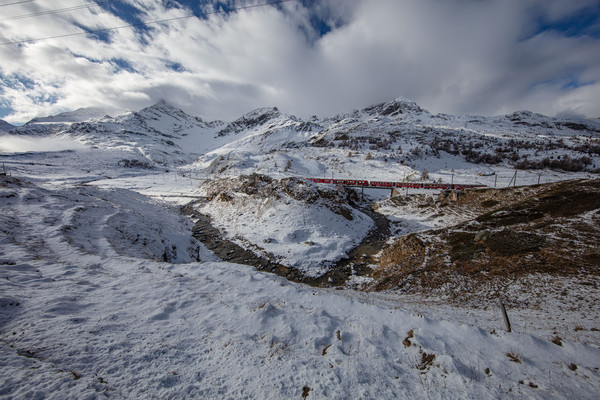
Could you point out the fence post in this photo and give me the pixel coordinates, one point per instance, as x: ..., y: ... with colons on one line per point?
x: 504, y: 315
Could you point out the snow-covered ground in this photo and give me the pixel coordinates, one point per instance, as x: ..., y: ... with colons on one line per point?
x: 81, y: 318
x: 104, y: 292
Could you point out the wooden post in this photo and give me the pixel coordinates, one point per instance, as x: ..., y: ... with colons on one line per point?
x: 495, y: 179
x: 504, y: 315
x: 513, y: 180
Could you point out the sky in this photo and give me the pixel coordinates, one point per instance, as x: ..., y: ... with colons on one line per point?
x: 220, y: 59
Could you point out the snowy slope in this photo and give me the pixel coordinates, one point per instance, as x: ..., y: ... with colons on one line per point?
x: 81, y: 319
x: 399, y: 140
x: 5, y: 126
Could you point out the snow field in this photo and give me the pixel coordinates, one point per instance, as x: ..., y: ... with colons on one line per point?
x: 215, y: 330
x: 81, y: 321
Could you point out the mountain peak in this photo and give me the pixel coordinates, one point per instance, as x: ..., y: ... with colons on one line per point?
x: 163, y: 108
x: 400, y: 105
x: 5, y: 126
x: 251, y: 120
x: 79, y: 115
x: 162, y: 103
x: 402, y: 99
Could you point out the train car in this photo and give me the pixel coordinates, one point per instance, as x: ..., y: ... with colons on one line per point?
x: 351, y: 182
x: 382, y: 184
x: 319, y: 180
x: 410, y: 185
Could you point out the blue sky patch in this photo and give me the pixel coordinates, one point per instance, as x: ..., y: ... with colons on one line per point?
x: 583, y: 23
x: 177, y: 67
x: 122, y: 64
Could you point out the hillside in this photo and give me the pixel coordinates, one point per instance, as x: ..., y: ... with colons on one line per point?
x: 5, y: 126
x: 549, y: 228
x: 159, y: 255
x: 534, y: 247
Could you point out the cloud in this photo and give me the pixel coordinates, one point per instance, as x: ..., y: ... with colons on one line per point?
x: 22, y: 144
x: 311, y: 57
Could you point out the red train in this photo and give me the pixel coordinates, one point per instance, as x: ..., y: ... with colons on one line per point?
x: 345, y: 182
x: 382, y: 184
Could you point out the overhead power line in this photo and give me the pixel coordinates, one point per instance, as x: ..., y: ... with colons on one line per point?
x: 16, y: 2
x: 58, y: 11
x: 160, y: 21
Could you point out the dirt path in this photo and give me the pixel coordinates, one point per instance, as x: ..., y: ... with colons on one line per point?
x: 357, y: 262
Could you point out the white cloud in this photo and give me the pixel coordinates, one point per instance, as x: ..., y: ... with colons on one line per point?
x: 21, y: 144
x: 454, y: 56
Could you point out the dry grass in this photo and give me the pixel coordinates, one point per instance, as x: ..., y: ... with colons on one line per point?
x: 557, y: 340
x: 426, y: 361
x: 514, y: 357
x: 548, y: 229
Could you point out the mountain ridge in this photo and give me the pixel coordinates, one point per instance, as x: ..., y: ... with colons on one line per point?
x: 398, y: 130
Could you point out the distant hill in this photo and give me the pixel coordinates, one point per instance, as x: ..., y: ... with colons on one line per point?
x: 5, y: 126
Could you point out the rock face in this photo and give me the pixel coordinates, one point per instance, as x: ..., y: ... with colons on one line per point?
x: 251, y: 120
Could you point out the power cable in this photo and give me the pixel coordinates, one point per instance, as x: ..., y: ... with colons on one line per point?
x: 59, y: 10
x: 16, y: 2
x: 144, y: 23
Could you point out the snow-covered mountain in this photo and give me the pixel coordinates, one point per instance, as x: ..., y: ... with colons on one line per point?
x: 109, y: 288
x: 5, y: 126
x: 79, y: 115
x: 402, y: 129
x: 156, y: 135
x: 398, y: 131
